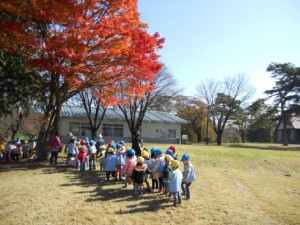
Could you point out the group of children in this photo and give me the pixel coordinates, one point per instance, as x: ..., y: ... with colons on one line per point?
x: 118, y: 162
x: 13, y: 151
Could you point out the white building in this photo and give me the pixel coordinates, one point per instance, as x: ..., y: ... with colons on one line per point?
x: 157, y: 127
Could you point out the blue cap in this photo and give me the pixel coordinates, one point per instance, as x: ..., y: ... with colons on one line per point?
x: 153, y: 150
x: 158, y: 151
x: 169, y: 152
x: 122, y: 142
x: 185, y: 157
x: 91, y: 142
x: 118, y: 146
x: 131, y: 152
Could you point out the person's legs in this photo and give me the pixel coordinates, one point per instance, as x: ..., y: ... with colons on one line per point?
x: 179, y: 197
x: 94, y: 164
x: 55, y: 157
x: 160, y: 182
x: 188, y: 194
x: 175, y: 199
x: 183, y: 184
x: 107, y: 176
x: 51, y: 157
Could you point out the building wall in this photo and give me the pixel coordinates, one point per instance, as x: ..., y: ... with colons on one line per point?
x: 155, y: 132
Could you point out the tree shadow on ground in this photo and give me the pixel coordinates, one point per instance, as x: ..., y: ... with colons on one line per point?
x: 273, y: 148
x: 98, y: 189
x: 22, y: 164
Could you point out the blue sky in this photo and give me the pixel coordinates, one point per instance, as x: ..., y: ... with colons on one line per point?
x: 217, y: 38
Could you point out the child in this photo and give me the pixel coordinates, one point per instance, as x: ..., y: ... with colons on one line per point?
x: 173, y: 149
x: 166, y: 174
x: 25, y: 148
x: 152, y: 164
x: 122, y: 143
x: 92, y: 155
x: 138, y: 176
x: 102, y: 154
x: 121, y: 155
x: 175, y: 183
x: 129, y: 167
x: 159, y: 167
x: 32, y: 146
x: 82, y: 155
x: 188, y: 175
x: 72, y: 149
x: 145, y: 155
x: 110, y: 164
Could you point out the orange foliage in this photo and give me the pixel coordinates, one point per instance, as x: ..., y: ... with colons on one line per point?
x: 85, y: 42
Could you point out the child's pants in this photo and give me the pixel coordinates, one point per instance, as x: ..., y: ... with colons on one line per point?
x: 54, y: 156
x: 176, y: 198
x: 138, y: 189
x: 82, y: 166
x: 186, y: 189
x: 92, y: 164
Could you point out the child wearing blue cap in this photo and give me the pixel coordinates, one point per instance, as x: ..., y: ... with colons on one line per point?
x: 188, y: 175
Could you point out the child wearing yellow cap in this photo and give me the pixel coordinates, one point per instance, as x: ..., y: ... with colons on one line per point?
x: 138, y: 176
x: 175, y: 183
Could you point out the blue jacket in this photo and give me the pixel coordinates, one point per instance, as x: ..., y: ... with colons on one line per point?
x: 110, y: 163
x: 175, y: 181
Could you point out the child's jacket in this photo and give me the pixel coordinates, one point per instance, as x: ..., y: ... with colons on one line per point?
x: 139, y: 173
x: 175, y: 181
x: 110, y: 163
x: 82, y: 154
x: 189, y: 173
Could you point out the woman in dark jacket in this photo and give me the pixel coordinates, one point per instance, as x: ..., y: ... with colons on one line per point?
x: 137, y: 144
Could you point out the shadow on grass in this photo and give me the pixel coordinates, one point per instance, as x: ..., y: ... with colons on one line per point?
x: 98, y: 189
x: 22, y: 164
x: 273, y: 148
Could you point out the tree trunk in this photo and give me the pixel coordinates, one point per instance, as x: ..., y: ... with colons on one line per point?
x: 93, y: 132
x: 243, y: 136
x: 199, y: 136
x: 284, y: 135
x: 219, y: 138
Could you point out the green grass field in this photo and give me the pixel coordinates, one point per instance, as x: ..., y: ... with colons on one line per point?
x: 236, y: 184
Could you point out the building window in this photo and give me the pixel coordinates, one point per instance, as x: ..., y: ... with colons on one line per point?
x: 169, y: 133
x: 80, y: 129
x: 113, y: 130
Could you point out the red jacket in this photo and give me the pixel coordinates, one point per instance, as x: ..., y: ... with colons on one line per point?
x: 82, y: 154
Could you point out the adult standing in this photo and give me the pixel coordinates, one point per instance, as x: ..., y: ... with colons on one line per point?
x: 100, y: 142
x: 55, y: 146
x: 137, y: 143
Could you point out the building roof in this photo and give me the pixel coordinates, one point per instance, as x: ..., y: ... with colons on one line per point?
x: 294, y: 123
x: 117, y: 114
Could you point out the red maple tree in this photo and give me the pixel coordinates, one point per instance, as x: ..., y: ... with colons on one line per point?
x: 77, y: 44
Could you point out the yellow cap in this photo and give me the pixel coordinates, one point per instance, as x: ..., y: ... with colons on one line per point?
x: 140, y: 159
x: 110, y: 150
x: 174, y: 163
x: 145, y: 154
x: 103, y: 147
x: 168, y: 158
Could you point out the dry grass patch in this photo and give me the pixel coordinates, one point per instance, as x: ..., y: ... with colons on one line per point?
x: 245, y: 184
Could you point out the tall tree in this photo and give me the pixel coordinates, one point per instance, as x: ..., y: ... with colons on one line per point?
x: 193, y: 111
x: 223, y: 98
x: 94, y: 108
x: 75, y: 45
x: 240, y: 119
x: 286, y: 92
x: 135, y: 106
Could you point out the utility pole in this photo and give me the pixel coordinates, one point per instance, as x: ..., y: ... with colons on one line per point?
x: 207, y: 114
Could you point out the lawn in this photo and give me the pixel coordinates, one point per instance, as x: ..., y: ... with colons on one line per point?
x: 236, y: 184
